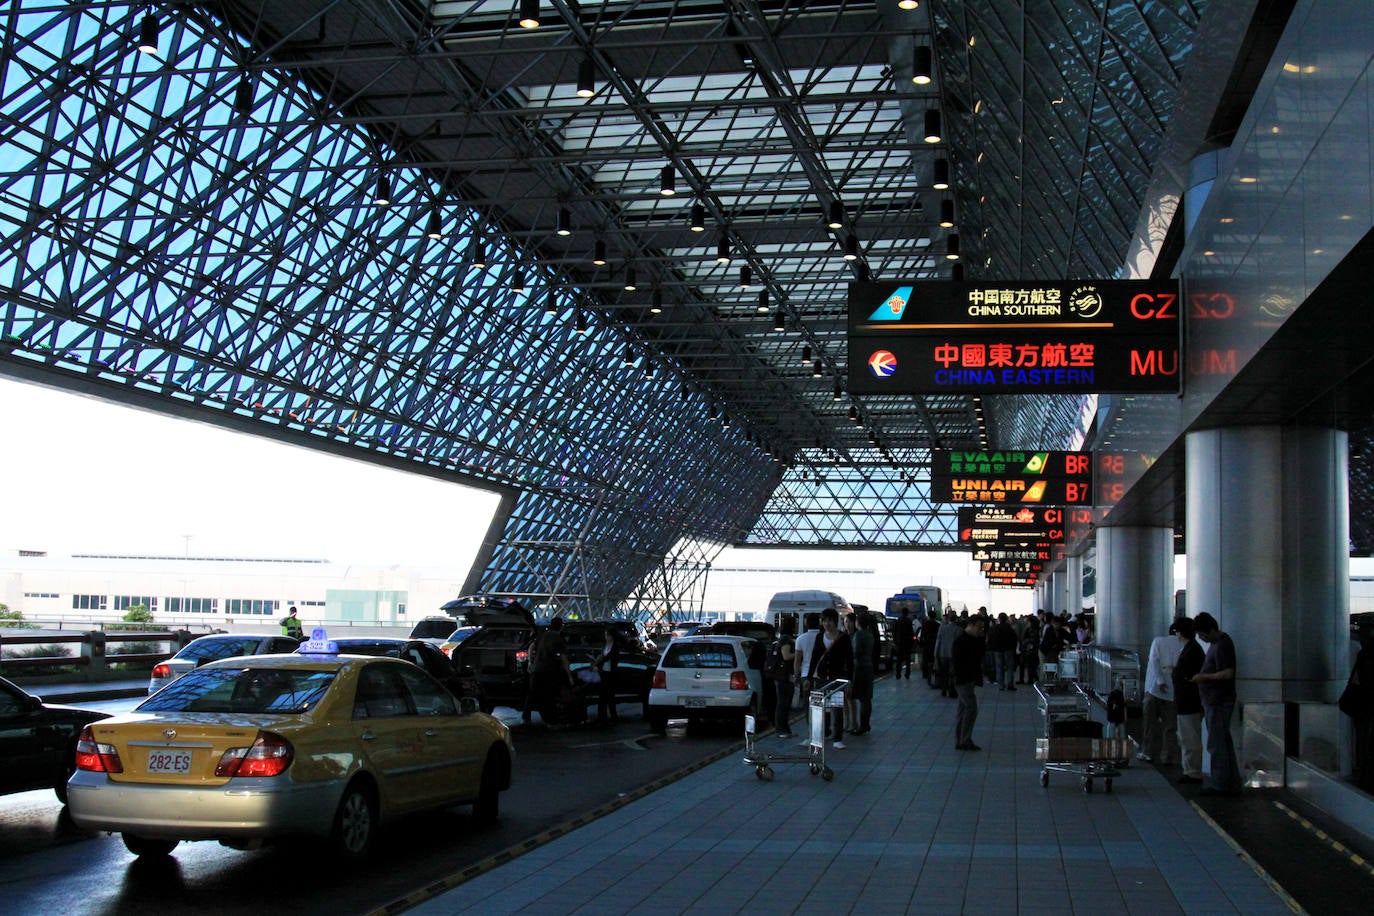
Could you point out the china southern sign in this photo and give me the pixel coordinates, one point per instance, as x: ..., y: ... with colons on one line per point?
x: 1043, y: 337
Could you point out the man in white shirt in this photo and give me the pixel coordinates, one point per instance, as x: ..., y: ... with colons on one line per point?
x: 1158, y: 715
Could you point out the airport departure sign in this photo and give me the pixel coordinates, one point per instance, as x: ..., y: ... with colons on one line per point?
x: 1036, y: 337
x: 1003, y: 526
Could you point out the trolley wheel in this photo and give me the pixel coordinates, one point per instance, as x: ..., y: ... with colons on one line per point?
x: 764, y: 772
x: 827, y: 774
x: 1088, y: 784
x: 815, y: 768
x: 1044, y: 778
x: 1107, y: 787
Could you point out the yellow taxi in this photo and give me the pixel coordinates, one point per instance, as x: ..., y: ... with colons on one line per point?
x: 249, y: 750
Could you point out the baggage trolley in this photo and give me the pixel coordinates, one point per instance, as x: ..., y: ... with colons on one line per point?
x: 831, y: 696
x: 1073, y: 741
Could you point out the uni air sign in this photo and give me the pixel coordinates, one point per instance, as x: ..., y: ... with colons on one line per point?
x: 1042, y: 337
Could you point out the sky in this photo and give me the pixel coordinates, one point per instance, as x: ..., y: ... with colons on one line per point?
x: 83, y: 475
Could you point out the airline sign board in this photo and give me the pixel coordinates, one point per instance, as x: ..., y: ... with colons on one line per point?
x: 1001, y: 526
x: 1011, y: 477
x: 1034, y: 337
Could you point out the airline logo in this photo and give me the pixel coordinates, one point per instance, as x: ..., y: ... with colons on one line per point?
x: 882, y: 364
x: 894, y: 307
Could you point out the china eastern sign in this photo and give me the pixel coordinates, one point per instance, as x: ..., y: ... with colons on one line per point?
x: 1044, y: 337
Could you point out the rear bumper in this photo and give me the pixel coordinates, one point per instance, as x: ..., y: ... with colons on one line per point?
x: 244, y: 809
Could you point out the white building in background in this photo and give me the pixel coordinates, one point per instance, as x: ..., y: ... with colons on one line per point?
x: 219, y: 591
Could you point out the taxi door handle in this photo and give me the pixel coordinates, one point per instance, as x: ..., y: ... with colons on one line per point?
x: 369, y: 736
x: 431, y: 733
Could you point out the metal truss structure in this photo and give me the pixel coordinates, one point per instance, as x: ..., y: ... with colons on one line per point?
x: 599, y: 265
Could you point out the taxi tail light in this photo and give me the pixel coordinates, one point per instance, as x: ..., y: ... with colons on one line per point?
x: 660, y: 680
x: 95, y: 757
x: 161, y: 671
x: 522, y: 657
x: 269, y: 755
x: 738, y: 681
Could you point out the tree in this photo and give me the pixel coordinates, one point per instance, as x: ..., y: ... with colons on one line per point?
x: 138, y: 613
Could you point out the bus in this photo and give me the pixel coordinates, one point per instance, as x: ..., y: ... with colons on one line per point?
x: 916, y: 599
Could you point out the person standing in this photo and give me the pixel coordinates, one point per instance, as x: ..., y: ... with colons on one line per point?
x: 606, y: 664
x: 1188, y: 702
x: 551, y: 672
x: 1217, y: 687
x: 782, y: 668
x: 806, y: 653
x: 929, y: 635
x: 944, y: 654
x: 834, y: 660
x: 1158, y: 714
x: 1002, y: 645
x: 291, y: 624
x: 1030, y: 652
x: 967, y: 666
x: 862, y: 641
x: 903, y: 635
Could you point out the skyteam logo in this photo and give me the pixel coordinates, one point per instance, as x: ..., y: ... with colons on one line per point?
x: 894, y: 307
x: 882, y: 364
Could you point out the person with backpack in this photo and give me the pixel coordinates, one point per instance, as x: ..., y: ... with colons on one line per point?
x: 778, y: 669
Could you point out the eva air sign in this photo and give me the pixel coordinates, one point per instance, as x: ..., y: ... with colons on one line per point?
x: 1011, y: 477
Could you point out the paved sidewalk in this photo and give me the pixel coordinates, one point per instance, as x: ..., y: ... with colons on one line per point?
x: 908, y: 825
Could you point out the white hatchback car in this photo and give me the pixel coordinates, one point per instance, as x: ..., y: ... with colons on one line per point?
x: 707, y: 677
x: 206, y: 649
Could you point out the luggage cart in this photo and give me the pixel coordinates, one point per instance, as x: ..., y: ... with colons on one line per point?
x: 1073, y: 741
x: 831, y: 696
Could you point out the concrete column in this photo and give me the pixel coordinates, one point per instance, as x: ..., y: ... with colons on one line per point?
x: 1268, y: 554
x: 1054, y: 592
x: 1135, y: 586
x: 1071, y: 598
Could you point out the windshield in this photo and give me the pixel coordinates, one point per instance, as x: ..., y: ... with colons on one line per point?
x: 250, y: 690
x: 432, y: 629
x: 209, y: 650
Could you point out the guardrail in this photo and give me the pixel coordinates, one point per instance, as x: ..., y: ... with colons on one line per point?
x: 97, y: 650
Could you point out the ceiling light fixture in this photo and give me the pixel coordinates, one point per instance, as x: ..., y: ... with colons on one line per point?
x: 243, y: 96
x: 746, y: 277
x: 434, y: 225
x: 932, y: 125
x: 839, y: 392
x: 817, y: 370
x: 908, y: 4
x: 551, y: 305
x: 382, y: 195
x: 806, y: 354
x: 920, y: 73
x: 628, y: 359
x: 957, y: 272
x: 479, y: 253
x: 147, y: 35
x: 851, y: 247
x: 667, y: 181
x: 780, y: 321
x: 763, y: 301
x: 517, y: 281
x: 698, y: 223
x: 580, y: 321
x: 630, y: 278
x: 586, y: 78
x: 723, y: 249
x: 599, y: 253
x: 940, y: 175
x: 952, y: 247
x: 564, y: 222
x: 947, y: 214
x: 836, y: 215
x: 529, y: 14
x: 656, y: 303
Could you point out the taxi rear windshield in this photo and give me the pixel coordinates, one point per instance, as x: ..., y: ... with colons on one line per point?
x: 242, y: 690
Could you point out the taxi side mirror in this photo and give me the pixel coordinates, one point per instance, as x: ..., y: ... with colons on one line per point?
x: 468, y: 705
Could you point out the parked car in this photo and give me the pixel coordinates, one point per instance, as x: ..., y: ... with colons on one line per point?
x: 206, y: 649
x: 456, y: 637
x: 434, y: 629
x: 460, y: 682
x: 320, y: 745
x: 706, y: 677
x: 885, y: 652
x: 585, y: 640
x: 498, y: 654
x: 38, y: 741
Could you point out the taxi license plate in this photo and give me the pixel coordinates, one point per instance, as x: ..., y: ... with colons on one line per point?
x: 693, y: 702
x: 169, y: 761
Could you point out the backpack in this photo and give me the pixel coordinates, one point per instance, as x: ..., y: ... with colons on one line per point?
x: 775, y: 666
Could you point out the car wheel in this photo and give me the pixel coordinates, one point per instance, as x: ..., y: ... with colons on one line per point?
x: 658, y: 720
x: 355, y: 822
x: 148, y: 847
x: 487, y: 808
